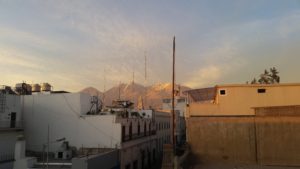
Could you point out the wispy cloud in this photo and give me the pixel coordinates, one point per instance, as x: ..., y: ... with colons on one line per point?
x: 71, y: 43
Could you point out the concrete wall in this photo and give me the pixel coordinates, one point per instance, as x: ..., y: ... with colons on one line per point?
x: 222, y: 139
x: 106, y: 160
x: 7, y: 144
x: 240, y: 99
x: 64, y: 115
x: 271, y: 137
x: 278, y: 137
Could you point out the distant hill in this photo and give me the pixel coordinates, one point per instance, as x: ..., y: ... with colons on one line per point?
x: 152, y: 95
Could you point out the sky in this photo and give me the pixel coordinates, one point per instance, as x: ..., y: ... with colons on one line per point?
x: 73, y: 44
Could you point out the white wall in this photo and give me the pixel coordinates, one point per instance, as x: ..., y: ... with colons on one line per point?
x: 64, y: 113
x: 7, y: 144
x: 178, y: 105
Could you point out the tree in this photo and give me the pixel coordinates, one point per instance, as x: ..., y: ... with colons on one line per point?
x: 274, y: 75
x: 265, y: 78
x: 254, y: 81
x: 268, y: 77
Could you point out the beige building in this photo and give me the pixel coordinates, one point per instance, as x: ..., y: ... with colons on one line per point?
x: 242, y: 124
x: 239, y: 100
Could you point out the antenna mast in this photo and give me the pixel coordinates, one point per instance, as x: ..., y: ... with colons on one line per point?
x: 145, y: 82
x: 120, y: 90
x: 104, y: 88
x: 133, y: 98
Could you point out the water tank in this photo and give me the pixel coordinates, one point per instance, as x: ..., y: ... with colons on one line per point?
x: 46, y: 87
x: 23, y: 89
x: 36, y: 87
x: 28, y: 88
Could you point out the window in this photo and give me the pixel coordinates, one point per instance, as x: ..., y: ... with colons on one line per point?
x: 181, y: 100
x: 128, y: 166
x: 130, y: 131
x: 150, y: 128
x: 135, y: 164
x: 223, y: 92
x: 145, y: 129
x: 166, y: 100
x: 261, y: 90
x: 139, y: 128
x: 123, y: 133
x: 60, y: 155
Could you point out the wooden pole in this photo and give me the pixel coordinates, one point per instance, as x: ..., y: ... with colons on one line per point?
x: 173, y: 103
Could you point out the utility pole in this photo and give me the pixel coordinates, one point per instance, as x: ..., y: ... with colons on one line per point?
x: 173, y: 103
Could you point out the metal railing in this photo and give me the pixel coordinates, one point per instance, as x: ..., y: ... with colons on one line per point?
x: 7, y: 157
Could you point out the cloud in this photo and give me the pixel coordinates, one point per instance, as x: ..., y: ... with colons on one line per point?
x: 204, y: 76
x: 73, y: 42
x: 13, y: 59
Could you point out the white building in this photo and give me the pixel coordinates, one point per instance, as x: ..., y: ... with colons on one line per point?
x: 73, y: 117
x: 66, y: 114
x: 10, y: 125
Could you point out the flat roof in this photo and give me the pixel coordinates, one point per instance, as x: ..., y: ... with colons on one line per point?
x: 258, y: 85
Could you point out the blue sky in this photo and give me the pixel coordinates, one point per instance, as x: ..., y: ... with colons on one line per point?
x: 72, y: 44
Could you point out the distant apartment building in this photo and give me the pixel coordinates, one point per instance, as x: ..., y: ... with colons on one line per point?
x: 163, y: 129
x: 180, y: 109
x: 245, y: 124
x: 10, y: 125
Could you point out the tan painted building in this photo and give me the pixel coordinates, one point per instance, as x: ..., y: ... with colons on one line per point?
x: 239, y: 100
x: 225, y: 124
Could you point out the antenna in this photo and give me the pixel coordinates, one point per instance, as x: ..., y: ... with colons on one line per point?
x: 133, y: 98
x: 145, y: 82
x: 104, y: 88
x: 120, y: 90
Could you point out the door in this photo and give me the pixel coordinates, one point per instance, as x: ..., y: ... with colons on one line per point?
x: 13, y: 117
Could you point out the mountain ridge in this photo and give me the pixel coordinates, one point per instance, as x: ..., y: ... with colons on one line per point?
x: 152, y: 95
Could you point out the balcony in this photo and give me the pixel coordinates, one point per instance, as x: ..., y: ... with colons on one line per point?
x: 11, y: 125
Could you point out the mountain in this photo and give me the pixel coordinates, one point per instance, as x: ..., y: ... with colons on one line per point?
x: 157, y: 92
x: 151, y: 95
x: 92, y: 91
